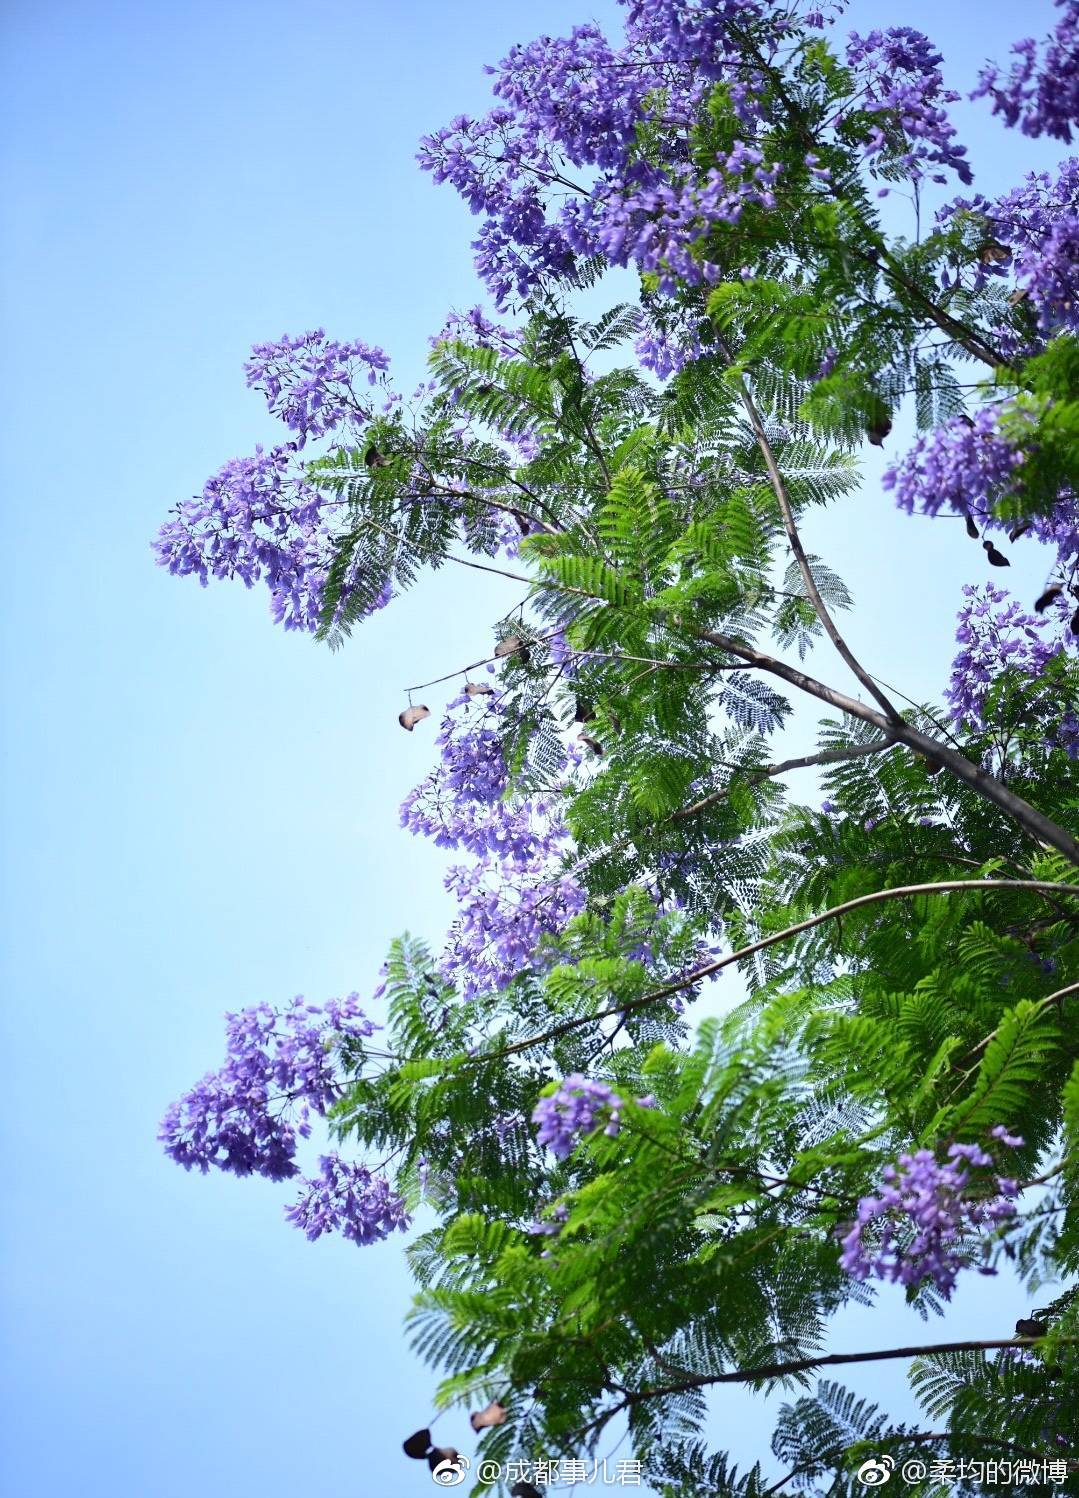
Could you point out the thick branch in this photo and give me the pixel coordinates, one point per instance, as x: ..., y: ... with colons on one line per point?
x: 806, y: 1365
x: 769, y: 772
x: 786, y: 510
x: 1039, y: 826
x: 687, y: 980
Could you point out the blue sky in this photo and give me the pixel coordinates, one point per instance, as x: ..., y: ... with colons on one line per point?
x: 200, y: 810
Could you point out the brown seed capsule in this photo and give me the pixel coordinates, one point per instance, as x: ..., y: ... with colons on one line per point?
x: 593, y: 744
x: 584, y: 712
x: 512, y: 645
x: 524, y: 1490
x: 1030, y: 1327
x: 477, y: 689
x: 1017, y: 296
x: 878, y: 429
x: 1051, y: 593
x: 419, y: 1445
x: 1075, y: 623
x: 992, y: 252
x: 373, y: 458
x: 996, y: 558
x: 438, y: 1454
x: 1019, y: 530
x: 972, y: 530
x: 413, y: 715
x: 932, y: 766
x: 494, y: 1414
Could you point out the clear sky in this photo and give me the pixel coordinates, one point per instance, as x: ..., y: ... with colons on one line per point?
x: 200, y: 810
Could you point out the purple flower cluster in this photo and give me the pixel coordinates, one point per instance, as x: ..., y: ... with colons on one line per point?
x: 280, y: 1067
x: 574, y: 1110
x: 1040, y: 94
x: 348, y: 1199
x: 573, y: 105
x: 515, y: 892
x: 1039, y: 222
x: 996, y: 634
x: 898, y: 71
x: 920, y: 1225
x: 310, y: 381
x: 966, y: 464
x: 256, y: 520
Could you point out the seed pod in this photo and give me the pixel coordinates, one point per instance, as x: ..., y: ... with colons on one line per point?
x: 1075, y: 623
x: 1030, y: 1327
x: 992, y: 252
x: 593, y: 744
x: 1051, y: 593
x: 584, y: 712
x: 1019, y: 295
x: 972, y: 530
x: 373, y: 458
x: 996, y: 558
x: 494, y: 1414
x: 442, y: 1454
x: 512, y: 645
x: 1019, y: 530
x: 968, y: 421
x: 419, y: 1445
x: 932, y: 766
x: 524, y: 1490
x: 879, y: 427
x: 413, y: 715
x: 477, y: 689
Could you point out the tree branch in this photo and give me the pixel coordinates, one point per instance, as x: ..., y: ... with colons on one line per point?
x: 1039, y: 826
x: 786, y: 510
x: 687, y: 980
x: 769, y: 772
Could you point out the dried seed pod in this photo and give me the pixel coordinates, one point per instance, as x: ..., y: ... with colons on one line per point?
x: 419, y: 1445
x: 439, y: 1454
x: 1075, y: 623
x: 968, y: 421
x: 996, y: 558
x: 932, y: 766
x: 524, y: 1490
x: 879, y: 427
x: 1030, y: 1327
x: 413, y: 715
x: 1051, y: 593
x: 477, y: 689
x: 1019, y: 295
x: 972, y: 530
x: 992, y: 252
x: 591, y: 743
x: 494, y: 1414
x: 373, y: 458
x: 1019, y: 530
x: 584, y: 712
x: 512, y: 645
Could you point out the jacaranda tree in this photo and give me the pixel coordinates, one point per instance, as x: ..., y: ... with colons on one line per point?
x: 631, y: 1204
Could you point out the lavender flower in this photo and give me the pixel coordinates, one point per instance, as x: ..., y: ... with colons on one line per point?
x: 576, y: 1109
x: 919, y: 1226
x: 347, y: 1199
x: 281, y: 1066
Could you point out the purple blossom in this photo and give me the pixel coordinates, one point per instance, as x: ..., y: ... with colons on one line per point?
x: 310, y: 381
x: 280, y: 1067
x: 920, y: 1224
x: 898, y: 71
x: 574, y: 1110
x: 577, y: 1108
x: 347, y: 1199
x: 995, y: 634
x: 1040, y: 94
